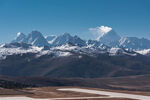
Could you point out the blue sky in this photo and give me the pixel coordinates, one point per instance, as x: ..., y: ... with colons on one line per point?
x: 126, y: 17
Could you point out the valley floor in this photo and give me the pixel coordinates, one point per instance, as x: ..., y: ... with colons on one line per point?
x: 70, y: 93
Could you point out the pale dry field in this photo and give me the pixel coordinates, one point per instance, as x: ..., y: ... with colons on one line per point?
x: 52, y: 93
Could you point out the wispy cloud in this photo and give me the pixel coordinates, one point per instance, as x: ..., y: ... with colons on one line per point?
x: 100, y: 31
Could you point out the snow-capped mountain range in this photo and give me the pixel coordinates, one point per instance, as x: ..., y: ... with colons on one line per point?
x: 64, y: 45
x: 35, y: 38
x: 109, y: 38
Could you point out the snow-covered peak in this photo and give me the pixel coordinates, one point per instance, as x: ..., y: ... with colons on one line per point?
x: 106, y: 35
x: 66, y: 34
x: 104, y: 29
x: 100, y: 31
x: 20, y: 37
x: 36, y: 38
x: 111, y: 38
x: 50, y: 38
x: 62, y: 39
x: 66, y: 38
x: 35, y: 33
x: 20, y: 34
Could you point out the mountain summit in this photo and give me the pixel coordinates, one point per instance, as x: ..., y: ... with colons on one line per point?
x: 67, y: 38
x: 35, y: 38
x: 20, y: 37
x: 108, y: 36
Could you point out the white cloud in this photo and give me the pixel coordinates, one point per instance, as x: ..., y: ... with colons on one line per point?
x: 100, y: 30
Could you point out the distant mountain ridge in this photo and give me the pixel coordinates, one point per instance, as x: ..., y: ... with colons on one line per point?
x: 67, y: 38
x: 108, y: 39
x: 134, y: 43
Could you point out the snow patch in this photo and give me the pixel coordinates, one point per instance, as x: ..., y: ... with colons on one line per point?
x: 63, y: 54
x: 65, y: 47
x: 115, y: 51
x: 4, y: 52
x: 144, y: 52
